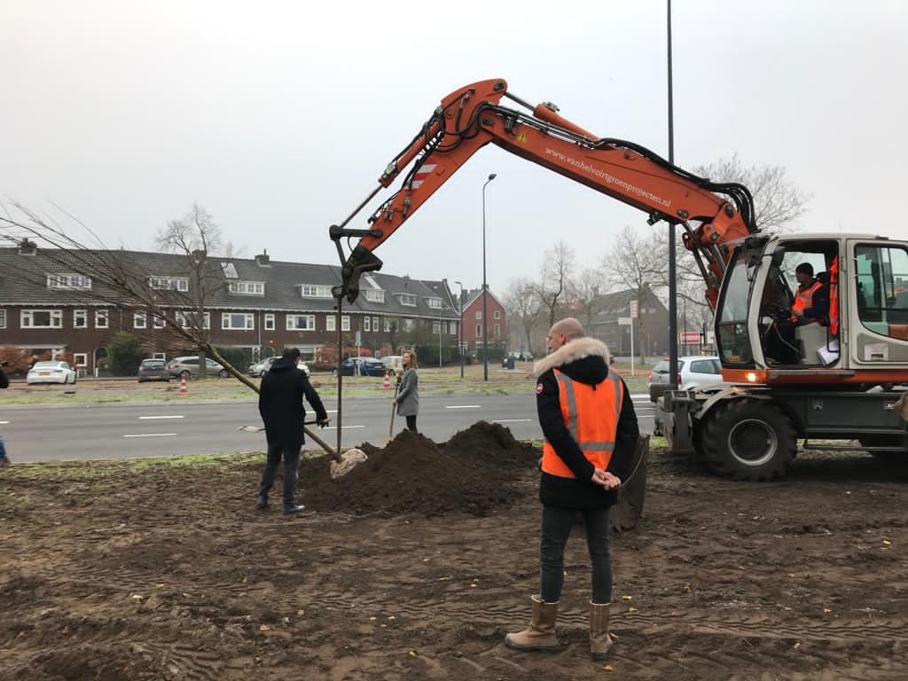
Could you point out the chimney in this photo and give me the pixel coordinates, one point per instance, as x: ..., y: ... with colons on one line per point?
x: 262, y: 260
x: 27, y: 247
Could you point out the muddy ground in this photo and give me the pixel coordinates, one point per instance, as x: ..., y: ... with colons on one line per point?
x: 416, y: 564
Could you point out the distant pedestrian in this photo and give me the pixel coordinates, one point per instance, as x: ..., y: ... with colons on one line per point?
x: 283, y: 413
x: 407, y: 399
x: 4, y: 383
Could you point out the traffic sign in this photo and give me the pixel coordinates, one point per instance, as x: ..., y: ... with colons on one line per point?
x: 690, y: 337
x: 624, y: 321
x: 633, y: 309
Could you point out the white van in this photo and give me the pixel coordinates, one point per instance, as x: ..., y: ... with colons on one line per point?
x: 394, y: 364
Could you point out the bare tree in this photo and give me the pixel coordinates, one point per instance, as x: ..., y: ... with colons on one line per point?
x: 122, y: 280
x: 551, y: 290
x: 193, y: 237
x: 524, y: 307
x: 585, y: 295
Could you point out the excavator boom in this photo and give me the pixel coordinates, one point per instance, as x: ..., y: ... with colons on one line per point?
x: 712, y: 214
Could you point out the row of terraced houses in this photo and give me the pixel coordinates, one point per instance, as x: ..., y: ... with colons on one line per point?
x: 261, y: 305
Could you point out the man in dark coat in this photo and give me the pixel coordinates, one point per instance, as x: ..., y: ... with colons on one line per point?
x: 281, y: 406
x: 4, y: 383
x: 590, y: 428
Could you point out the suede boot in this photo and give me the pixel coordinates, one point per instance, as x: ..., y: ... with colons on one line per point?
x: 540, y: 635
x: 600, y: 638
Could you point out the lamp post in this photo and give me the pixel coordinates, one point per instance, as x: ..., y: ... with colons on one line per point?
x: 460, y: 325
x: 485, y: 292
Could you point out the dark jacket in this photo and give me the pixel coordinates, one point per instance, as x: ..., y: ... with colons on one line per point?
x: 583, y: 360
x: 281, y: 404
x: 819, y: 307
x: 4, y: 381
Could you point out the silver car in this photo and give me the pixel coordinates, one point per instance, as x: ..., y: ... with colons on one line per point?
x: 50, y: 372
x: 188, y: 367
x: 693, y: 371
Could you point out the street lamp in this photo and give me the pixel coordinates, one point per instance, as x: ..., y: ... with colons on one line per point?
x: 485, y: 293
x: 460, y: 325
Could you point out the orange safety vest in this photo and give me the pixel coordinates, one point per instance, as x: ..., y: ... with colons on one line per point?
x: 834, y: 296
x: 803, y: 300
x: 591, y: 416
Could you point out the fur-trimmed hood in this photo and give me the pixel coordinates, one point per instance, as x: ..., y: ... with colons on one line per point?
x: 574, y: 350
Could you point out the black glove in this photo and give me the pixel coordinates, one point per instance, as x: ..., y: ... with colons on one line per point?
x: 321, y: 423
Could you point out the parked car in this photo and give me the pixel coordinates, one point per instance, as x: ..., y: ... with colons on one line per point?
x: 50, y: 372
x: 188, y: 367
x: 394, y: 364
x: 693, y: 371
x: 153, y: 370
x: 521, y: 356
x: 361, y: 366
x: 258, y: 369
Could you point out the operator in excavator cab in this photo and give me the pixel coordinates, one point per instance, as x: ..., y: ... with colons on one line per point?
x: 811, y: 303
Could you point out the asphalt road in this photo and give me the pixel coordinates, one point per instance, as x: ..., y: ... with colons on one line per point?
x: 123, y: 430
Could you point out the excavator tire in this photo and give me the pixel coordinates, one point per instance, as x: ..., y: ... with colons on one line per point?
x: 748, y: 439
x: 625, y: 514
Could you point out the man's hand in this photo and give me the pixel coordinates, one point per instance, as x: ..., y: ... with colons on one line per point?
x: 605, y: 479
x: 798, y: 313
x: 321, y: 423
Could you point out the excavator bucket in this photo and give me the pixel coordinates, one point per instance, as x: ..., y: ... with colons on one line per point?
x: 626, y: 513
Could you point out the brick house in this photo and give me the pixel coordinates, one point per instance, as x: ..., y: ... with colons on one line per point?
x: 473, y: 321
x: 650, y: 327
x: 255, y: 304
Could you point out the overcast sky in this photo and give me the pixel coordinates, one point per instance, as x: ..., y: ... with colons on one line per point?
x: 278, y: 117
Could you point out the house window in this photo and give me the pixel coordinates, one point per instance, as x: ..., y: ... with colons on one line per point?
x: 169, y: 283
x: 407, y: 299
x: 269, y: 321
x: 479, y: 330
x: 187, y: 320
x: 313, y: 291
x: 300, y: 322
x: 452, y: 327
x: 367, y: 323
x: 498, y: 331
x: 80, y: 359
x: 139, y: 320
x: 496, y: 314
x: 434, y: 303
x: 69, y: 282
x: 409, y: 324
x: 374, y: 296
x: 478, y: 314
x: 330, y: 322
x: 375, y: 324
x: 345, y: 323
x: 237, y: 321
x: 387, y: 325
x: 246, y: 288
x: 41, y: 319
x: 2, y: 319
x: 102, y: 319
x: 436, y: 327
x: 80, y: 319
x: 159, y: 322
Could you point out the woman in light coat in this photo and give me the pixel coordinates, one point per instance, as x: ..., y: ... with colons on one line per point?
x: 407, y: 399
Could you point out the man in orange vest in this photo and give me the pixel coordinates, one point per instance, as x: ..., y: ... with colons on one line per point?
x: 811, y: 303
x: 590, y: 430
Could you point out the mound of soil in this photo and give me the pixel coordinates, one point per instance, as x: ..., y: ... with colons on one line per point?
x: 474, y: 472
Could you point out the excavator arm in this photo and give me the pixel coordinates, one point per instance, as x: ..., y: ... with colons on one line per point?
x: 711, y: 214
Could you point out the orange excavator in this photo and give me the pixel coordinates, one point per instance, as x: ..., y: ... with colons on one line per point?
x: 835, y: 378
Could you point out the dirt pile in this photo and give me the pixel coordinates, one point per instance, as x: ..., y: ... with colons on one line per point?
x: 477, y: 471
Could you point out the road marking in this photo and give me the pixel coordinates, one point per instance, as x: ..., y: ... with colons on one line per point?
x: 512, y: 421
x: 148, y: 418
x: 464, y: 406
x: 3, y: 423
x: 342, y: 427
x: 152, y: 435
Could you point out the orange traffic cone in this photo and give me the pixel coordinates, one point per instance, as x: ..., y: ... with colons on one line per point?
x: 183, y: 389
x: 387, y: 385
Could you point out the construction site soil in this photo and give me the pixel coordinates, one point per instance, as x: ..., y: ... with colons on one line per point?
x: 415, y: 564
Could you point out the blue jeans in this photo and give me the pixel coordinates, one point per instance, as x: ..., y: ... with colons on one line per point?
x: 291, y: 457
x: 556, y: 528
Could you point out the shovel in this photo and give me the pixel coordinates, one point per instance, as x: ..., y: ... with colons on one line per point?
x: 393, y: 409
x: 342, y: 463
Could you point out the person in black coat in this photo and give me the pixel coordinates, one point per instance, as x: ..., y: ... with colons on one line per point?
x: 4, y: 383
x: 281, y: 407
